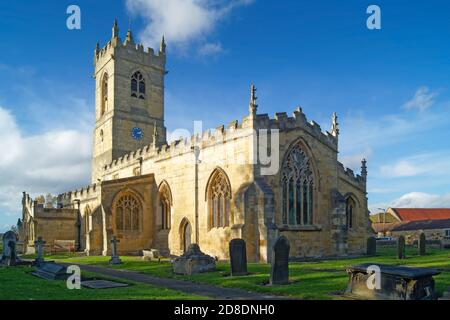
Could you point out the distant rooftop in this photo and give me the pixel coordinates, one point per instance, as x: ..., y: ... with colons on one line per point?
x: 420, y: 214
x: 411, y: 225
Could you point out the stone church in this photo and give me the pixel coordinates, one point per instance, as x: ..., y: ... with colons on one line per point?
x: 206, y: 189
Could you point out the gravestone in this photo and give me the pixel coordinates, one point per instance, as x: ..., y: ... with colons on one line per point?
x: 395, y: 283
x: 238, y: 257
x: 151, y: 254
x: 193, y: 261
x: 12, y: 260
x: 280, y: 261
x: 401, y: 247
x: 51, y: 271
x: 114, y: 257
x: 422, y: 244
x: 7, y: 237
x: 39, y: 245
x: 371, y: 246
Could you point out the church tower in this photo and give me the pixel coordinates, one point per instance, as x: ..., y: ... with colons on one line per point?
x: 129, y: 99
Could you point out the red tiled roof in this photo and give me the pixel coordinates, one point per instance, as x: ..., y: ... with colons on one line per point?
x: 419, y: 214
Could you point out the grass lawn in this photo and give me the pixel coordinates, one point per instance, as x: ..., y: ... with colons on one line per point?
x: 17, y: 283
x: 310, y: 280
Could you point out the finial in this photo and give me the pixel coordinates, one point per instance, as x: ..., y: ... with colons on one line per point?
x: 334, y: 125
x: 129, y: 37
x: 364, y: 169
x: 253, y: 107
x: 97, y: 47
x: 115, y: 29
x: 162, y: 47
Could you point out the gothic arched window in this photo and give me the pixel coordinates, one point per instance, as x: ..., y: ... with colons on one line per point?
x: 219, y: 196
x: 349, y: 211
x: 138, y: 85
x: 128, y: 213
x: 165, y: 206
x: 104, y: 94
x: 297, y: 181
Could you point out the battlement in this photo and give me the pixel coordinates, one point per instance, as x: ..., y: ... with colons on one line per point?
x: 115, y: 46
x: 350, y: 175
x: 221, y: 134
x: 90, y: 191
x: 283, y: 122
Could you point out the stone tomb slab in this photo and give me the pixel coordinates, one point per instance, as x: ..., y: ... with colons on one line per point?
x: 396, y: 283
x: 102, y: 284
x: 51, y: 271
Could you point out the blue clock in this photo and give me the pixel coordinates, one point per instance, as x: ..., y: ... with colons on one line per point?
x: 137, y: 133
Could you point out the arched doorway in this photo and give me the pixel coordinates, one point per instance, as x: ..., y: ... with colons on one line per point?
x: 185, y: 234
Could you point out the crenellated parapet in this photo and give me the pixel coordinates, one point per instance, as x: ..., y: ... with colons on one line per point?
x: 83, y: 194
x: 298, y: 120
x: 115, y: 47
x: 349, y: 175
x: 157, y: 152
x: 222, y: 134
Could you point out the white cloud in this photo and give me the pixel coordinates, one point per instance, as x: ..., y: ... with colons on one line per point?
x: 415, y: 200
x: 54, y: 162
x: 209, y: 49
x: 422, y: 100
x: 429, y: 164
x: 180, y: 21
x: 402, y: 168
x: 360, y: 133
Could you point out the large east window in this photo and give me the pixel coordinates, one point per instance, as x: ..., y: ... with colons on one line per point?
x: 297, y: 181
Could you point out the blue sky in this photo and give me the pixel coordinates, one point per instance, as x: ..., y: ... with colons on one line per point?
x: 390, y: 87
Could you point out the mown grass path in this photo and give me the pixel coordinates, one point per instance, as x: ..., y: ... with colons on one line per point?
x: 198, y: 289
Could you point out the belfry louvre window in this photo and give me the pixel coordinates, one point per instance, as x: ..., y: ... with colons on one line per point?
x: 297, y: 181
x: 138, y: 85
x: 128, y: 213
x: 219, y: 196
x: 104, y: 94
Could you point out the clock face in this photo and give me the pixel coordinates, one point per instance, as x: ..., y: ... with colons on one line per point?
x: 137, y: 133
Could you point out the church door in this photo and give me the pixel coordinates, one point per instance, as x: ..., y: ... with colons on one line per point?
x: 186, y: 236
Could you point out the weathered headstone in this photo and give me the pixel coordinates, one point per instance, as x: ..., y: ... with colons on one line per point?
x: 280, y: 261
x: 401, y: 247
x: 193, y: 261
x: 152, y: 254
x: 371, y: 246
x: 12, y: 253
x: 422, y: 244
x: 238, y: 257
x: 114, y: 257
x: 39, y: 245
x: 7, y: 237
